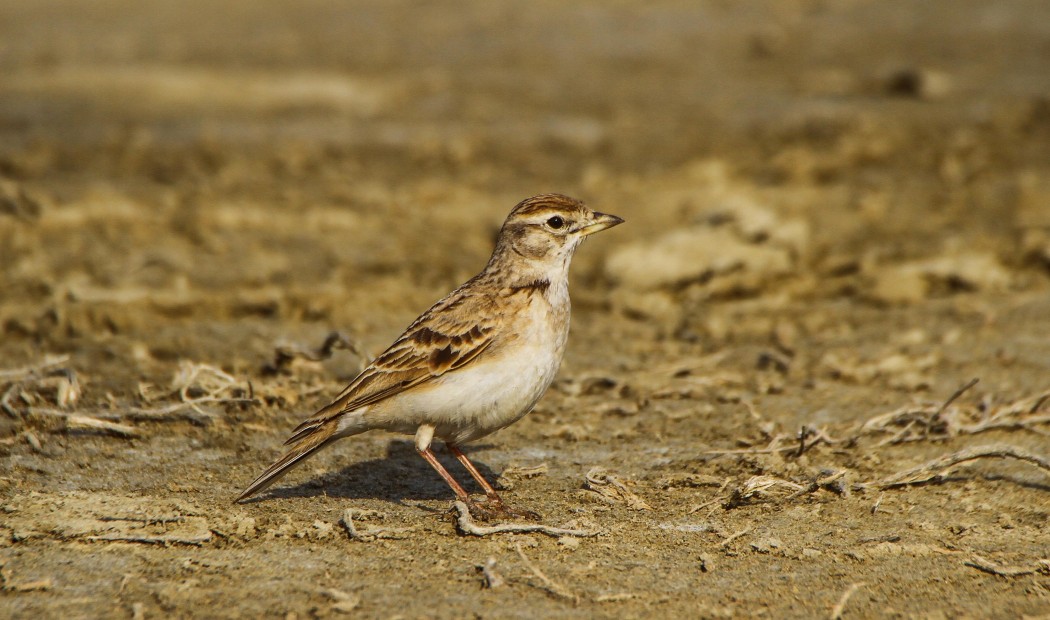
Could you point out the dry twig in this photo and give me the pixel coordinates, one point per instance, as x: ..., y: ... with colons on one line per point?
x: 190, y: 410
x: 833, y: 480
x: 935, y: 468
x: 760, y: 487
x: 836, y: 611
x: 729, y: 539
x: 467, y: 526
x: 82, y: 423
x: 808, y: 437
x: 944, y: 421
x: 370, y: 534
x: 549, y: 585
x: 33, y: 370
x: 982, y: 564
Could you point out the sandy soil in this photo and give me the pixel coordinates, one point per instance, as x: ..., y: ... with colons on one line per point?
x: 838, y: 216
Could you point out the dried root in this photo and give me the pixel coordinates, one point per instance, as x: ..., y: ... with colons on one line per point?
x: 372, y: 533
x: 194, y: 381
x: 466, y: 525
x: 83, y: 423
x: 938, y: 467
x: 925, y: 422
x: 1042, y: 567
x: 945, y: 421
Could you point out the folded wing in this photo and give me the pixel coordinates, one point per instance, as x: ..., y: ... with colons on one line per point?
x: 435, y: 344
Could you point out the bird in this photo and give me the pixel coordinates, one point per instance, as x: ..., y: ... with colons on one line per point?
x: 477, y: 361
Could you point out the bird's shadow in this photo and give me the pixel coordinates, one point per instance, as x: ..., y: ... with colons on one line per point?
x: 401, y: 475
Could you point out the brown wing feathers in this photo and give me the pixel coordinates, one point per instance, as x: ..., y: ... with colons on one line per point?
x: 312, y: 442
x: 427, y: 350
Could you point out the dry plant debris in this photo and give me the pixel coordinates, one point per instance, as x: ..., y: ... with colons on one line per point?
x: 30, y: 385
x: 492, y: 578
x: 195, y: 385
x: 761, y: 487
x: 982, y: 564
x: 773, y: 488
x: 466, y: 525
x: 938, y: 467
x: 840, y: 607
x: 550, y: 586
x: 929, y: 422
x: 372, y: 533
x: 612, y: 490
x: 342, y: 602
x: 924, y: 422
x: 285, y: 355
x: 946, y: 420
x: 83, y: 423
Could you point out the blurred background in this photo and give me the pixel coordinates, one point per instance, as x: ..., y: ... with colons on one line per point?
x: 833, y: 208
x: 285, y: 152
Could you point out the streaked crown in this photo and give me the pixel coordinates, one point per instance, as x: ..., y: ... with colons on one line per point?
x: 548, y: 228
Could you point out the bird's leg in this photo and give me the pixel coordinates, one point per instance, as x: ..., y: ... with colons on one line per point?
x: 461, y: 494
x: 424, y: 437
x: 476, y: 509
x: 490, y: 492
x: 494, y: 500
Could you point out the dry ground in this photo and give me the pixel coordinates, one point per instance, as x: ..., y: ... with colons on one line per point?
x: 838, y: 216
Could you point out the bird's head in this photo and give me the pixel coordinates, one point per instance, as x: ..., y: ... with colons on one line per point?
x: 544, y: 231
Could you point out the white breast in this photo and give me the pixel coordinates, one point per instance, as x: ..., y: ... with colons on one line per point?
x: 494, y: 391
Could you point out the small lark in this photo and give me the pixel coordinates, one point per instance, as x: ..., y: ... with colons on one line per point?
x: 476, y: 361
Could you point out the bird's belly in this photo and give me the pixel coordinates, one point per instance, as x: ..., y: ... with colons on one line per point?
x: 472, y: 402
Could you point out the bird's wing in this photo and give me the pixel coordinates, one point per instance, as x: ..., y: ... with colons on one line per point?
x: 439, y: 341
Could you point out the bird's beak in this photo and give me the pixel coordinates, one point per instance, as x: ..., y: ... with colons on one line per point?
x: 600, y: 223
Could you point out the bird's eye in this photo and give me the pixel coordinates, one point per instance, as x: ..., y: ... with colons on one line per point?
x: 556, y: 222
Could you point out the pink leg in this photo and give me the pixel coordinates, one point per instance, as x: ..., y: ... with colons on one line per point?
x: 461, y: 494
x: 495, y: 506
x: 489, y: 491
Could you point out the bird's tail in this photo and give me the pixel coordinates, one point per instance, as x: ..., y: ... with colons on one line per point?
x: 302, y: 447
